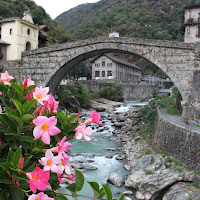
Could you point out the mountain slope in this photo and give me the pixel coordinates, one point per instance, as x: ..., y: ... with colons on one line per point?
x: 152, y: 19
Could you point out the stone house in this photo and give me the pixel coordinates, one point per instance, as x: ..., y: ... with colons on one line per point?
x: 190, y: 26
x: 109, y: 67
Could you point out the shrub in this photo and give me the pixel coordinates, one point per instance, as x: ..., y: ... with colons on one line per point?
x: 33, y: 144
x: 111, y: 91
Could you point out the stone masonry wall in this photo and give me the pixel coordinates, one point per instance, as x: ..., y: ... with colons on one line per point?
x: 181, y: 143
x: 132, y: 92
x: 193, y: 108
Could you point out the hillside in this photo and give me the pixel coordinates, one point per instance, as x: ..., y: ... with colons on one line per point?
x: 152, y: 19
x: 16, y: 8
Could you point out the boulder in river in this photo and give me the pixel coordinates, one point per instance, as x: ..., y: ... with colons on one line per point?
x: 182, y: 191
x: 115, y: 179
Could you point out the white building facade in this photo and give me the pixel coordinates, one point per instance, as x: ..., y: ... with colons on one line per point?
x: 191, y: 24
x: 109, y: 67
x: 19, y: 34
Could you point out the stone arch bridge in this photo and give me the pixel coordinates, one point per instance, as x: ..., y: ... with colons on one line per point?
x: 48, y: 65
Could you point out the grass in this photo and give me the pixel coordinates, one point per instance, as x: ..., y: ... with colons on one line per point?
x: 149, y: 172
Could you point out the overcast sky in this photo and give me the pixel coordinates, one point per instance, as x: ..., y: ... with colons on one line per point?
x: 56, y: 7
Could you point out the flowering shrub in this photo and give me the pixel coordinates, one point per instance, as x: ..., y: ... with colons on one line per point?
x: 34, y: 143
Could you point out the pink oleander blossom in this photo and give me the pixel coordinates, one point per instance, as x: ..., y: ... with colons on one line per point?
x: 65, y: 166
x: 72, y: 178
x: 94, y: 118
x: 40, y: 196
x: 62, y: 148
x: 6, y: 78
x: 50, y: 162
x: 38, y: 179
x: 45, y: 127
x: 51, y: 104
x: 0, y: 93
x: 41, y: 94
x: 61, y: 178
x: 28, y: 82
x: 82, y: 131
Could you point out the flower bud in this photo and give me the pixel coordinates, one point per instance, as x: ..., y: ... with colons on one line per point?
x: 21, y: 163
x: 0, y: 143
x: 37, y: 110
x: 29, y: 96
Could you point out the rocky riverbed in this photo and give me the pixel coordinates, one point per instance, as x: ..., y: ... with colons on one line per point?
x: 152, y: 176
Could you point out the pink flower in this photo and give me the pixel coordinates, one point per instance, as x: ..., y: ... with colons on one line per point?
x: 0, y: 142
x: 50, y: 162
x: 38, y: 179
x: 40, y: 196
x: 28, y: 82
x: 82, y: 131
x: 21, y: 162
x: 41, y: 94
x: 45, y: 127
x: 51, y: 104
x: 72, y: 178
x: 0, y: 109
x: 62, y: 148
x: 60, y: 178
x: 6, y: 78
x: 0, y: 93
x: 94, y: 118
x: 65, y: 166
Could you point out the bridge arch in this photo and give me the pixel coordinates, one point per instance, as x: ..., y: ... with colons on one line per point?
x: 48, y: 65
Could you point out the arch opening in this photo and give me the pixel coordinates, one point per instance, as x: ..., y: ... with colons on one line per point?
x: 28, y: 46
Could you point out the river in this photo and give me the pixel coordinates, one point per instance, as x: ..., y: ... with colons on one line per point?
x: 95, y: 153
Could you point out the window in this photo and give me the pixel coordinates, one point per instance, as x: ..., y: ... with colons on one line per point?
x: 96, y: 73
x: 1, y: 54
x: 198, y: 35
x: 103, y: 74
x: 199, y: 16
x: 28, y: 31
x: 28, y: 46
x: 11, y: 31
x: 103, y: 63
x: 109, y: 73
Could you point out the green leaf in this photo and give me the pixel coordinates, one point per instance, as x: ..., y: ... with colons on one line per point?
x: 17, y: 88
x: 122, y: 197
x: 25, y: 138
x: 107, y: 192
x: 18, y: 106
x: 61, y: 197
x: 101, y: 192
x: 16, y: 193
x: 36, y: 150
x: 71, y: 187
x: 6, y: 165
x: 4, y: 120
x: 72, y: 118
x: 4, y: 194
x: 26, y: 160
x: 95, y: 188
x: 31, y: 87
x: 17, y: 156
x: 79, y: 180
x: 10, y: 131
x: 54, y: 182
x: 26, y: 117
x: 5, y: 179
x: 28, y: 105
x: 10, y: 155
x: 17, y: 119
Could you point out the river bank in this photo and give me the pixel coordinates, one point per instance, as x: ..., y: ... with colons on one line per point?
x: 152, y: 175
x: 148, y: 175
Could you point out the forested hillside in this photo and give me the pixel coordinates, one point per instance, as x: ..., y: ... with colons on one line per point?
x: 152, y: 19
x: 16, y: 8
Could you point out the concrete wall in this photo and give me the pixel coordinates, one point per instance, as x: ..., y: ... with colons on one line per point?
x: 178, y: 141
x: 132, y: 92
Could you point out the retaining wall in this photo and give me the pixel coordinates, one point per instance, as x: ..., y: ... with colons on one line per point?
x: 180, y: 142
